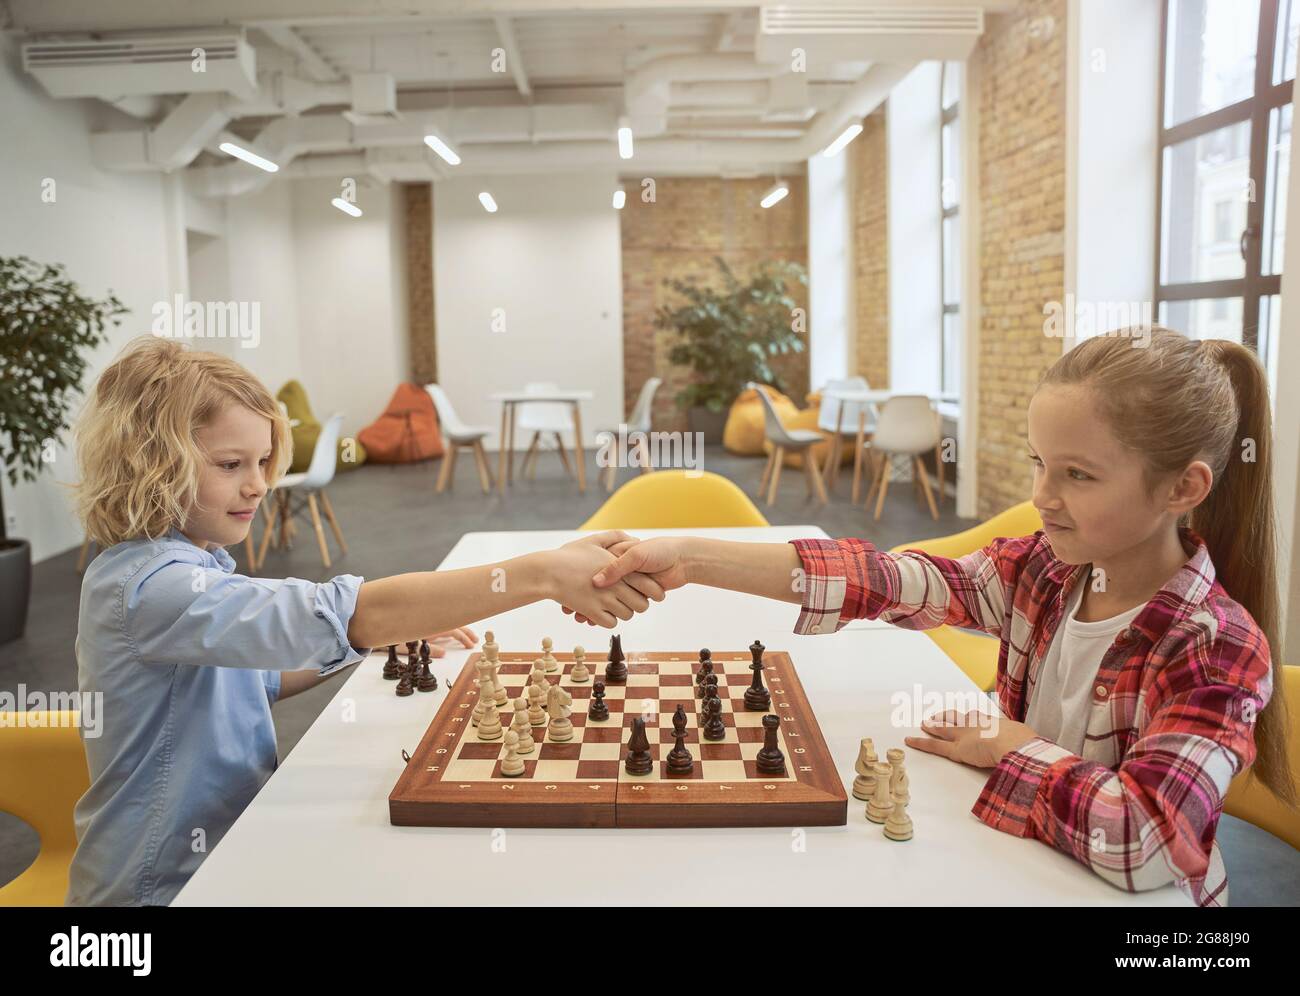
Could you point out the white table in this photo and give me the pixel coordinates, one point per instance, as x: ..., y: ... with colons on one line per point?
x: 318, y: 832
x: 871, y: 396
x: 510, y: 402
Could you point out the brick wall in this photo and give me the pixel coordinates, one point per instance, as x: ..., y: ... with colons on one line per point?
x: 417, y: 205
x: 677, y: 235
x: 869, y: 186
x: 1021, y: 254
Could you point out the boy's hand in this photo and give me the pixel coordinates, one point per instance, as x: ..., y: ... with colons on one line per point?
x: 659, y: 560
x: 463, y: 635
x: 571, y: 568
x: 973, y: 738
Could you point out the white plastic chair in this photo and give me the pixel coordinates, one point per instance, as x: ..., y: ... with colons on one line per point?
x: 457, y: 435
x: 783, y: 439
x: 907, y: 427
x: 550, y: 417
x: 304, y: 488
x: 840, y: 418
x: 638, y: 421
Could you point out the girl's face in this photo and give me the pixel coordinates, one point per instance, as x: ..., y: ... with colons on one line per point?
x: 1088, y: 487
x: 236, y: 448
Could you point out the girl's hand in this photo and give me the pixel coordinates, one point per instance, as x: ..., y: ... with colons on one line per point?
x: 974, y: 738
x: 658, y: 562
x: 463, y: 635
x: 571, y: 568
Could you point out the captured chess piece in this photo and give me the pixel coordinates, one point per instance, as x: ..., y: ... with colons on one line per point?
x: 616, y: 669
x: 412, y: 648
x: 706, y: 669
x: 770, y: 760
x: 428, y: 681
x: 680, y: 761
x: 404, y: 684
x: 864, y: 786
x: 512, y: 765
x: 757, y: 698
x: 579, y: 675
x: 392, y: 666
x: 898, y: 825
x: 598, y: 711
x: 880, y: 803
x: 639, y: 761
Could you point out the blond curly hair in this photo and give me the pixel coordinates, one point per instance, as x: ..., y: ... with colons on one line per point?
x: 136, y: 437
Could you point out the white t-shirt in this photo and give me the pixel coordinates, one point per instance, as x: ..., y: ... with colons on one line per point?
x: 1062, y: 698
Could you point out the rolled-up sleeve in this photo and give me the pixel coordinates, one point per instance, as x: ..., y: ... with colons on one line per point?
x: 271, y: 679
x: 177, y: 612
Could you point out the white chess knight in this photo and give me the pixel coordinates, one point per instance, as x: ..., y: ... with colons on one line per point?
x: 558, y: 704
x: 864, y: 786
x: 548, y: 659
x: 489, y: 726
x: 579, y: 674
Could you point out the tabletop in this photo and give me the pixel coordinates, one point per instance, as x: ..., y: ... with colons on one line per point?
x: 544, y: 396
x: 876, y: 396
x: 318, y: 833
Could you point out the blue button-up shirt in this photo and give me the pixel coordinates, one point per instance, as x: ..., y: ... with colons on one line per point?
x: 186, y: 655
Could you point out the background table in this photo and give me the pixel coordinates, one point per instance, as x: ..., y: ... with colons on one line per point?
x: 872, y: 396
x: 318, y: 832
x: 510, y: 402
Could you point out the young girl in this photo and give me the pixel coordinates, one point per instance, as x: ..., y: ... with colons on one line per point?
x: 177, y: 449
x: 1135, y: 675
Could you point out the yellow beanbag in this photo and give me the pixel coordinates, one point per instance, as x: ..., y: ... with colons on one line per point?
x: 744, y: 434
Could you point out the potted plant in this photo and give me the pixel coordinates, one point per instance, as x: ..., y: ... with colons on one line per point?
x: 730, y: 335
x: 46, y: 327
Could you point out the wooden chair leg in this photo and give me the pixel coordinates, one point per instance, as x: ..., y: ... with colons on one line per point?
x: 857, y: 475
x: 925, y: 485
x: 286, y: 520
x: 275, y: 512
x: 249, y: 552
x: 938, y: 462
x: 778, y: 458
x: 611, y: 474
x: 767, y: 470
x: 886, y: 467
x: 876, y: 460
x: 484, y: 471
x: 320, y: 532
x: 564, y: 455
x: 334, y: 523
x: 530, y: 458
x: 444, y: 475
x: 815, y: 483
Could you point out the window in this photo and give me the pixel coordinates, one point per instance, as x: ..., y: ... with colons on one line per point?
x: 950, y: 254
x: 1227, y: 70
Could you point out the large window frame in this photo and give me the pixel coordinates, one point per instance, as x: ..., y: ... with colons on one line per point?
x: 948, y: 216
x: 1255, y: 110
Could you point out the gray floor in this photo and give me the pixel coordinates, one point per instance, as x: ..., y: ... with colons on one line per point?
x: 394, y: 523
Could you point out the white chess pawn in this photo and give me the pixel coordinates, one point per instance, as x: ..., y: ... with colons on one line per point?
x: 512, y: 765
x: 557, y: 706
x: 491, y: 650
x: 489, y: 726
x: 880, y: 805
x: 899, y: 825
x: 579, y: 674
x: 548, y: 659
x: 865, y: 784
x: 536, y: 714
x: 538, y: 675
x: 525, y: 731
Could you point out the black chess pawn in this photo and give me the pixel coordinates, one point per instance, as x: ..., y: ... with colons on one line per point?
x: 405, y: 686
x: 392, y: 666
x: 638, y: 761
x: 713, y: 727
x: 770, y: 760
x: 616, y: 669
x: 680, y: 761
x: 708, y: 689
x: 598, y: 710
x: 706, y: 669
x: 428, y: 681
x: 757, y: 698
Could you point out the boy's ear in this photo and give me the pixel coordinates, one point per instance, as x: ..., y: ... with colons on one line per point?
x: 1191, y: 488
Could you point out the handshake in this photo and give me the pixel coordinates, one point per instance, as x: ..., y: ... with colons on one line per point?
x: 611, y: 576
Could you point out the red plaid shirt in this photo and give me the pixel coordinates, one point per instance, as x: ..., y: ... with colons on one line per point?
x: 1171, y: 719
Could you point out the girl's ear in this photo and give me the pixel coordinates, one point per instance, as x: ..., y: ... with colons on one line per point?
x: 1191, y: 488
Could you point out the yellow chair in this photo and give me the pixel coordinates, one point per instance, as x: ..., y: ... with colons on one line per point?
x: 42, y: 775
x: 670, y: 499
x: 975, y: 653
x: 1249, y: 800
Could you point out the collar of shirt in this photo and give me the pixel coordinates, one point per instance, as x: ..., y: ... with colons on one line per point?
x: 217, y: 555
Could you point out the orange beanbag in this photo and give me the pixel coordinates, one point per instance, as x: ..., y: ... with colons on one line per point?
x: 407, y: 431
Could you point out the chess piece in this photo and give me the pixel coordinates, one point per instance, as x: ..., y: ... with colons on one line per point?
x: 865, y: 784
x: 757, y: 698
x: 425, y: 653
x: 880, y: 804
x: 512, y: 765
x: 392, y: 667
x: 639, y: 761
x: 489, y: 725
x: 898, y: 825
x: 579, y: 675
x: 498, y: 690
x: 713, y: 728
x: 428, y: 681
x: 538, y: 675
x: 548, y: 658
x: 491, y: 649
x: 896, y: 774
x: 412, y: 648
x: 680, y: 761
x: 770, y: 760
x: 484, y: 669
x: 557, y: 707
x: 706, y: 669
x: 520, y: 725
x: 598, y: 711
x: 709, y: 690
x: 616, y: 669
x: 536, y: 713
x: 404, y: 685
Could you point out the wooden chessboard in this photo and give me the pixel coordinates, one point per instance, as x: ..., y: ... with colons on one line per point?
x: 454, y: 779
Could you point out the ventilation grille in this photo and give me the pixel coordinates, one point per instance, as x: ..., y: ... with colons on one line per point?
x: 851, y: 20
x: 166, y: 51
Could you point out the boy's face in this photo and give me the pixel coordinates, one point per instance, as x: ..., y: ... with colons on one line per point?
x: 236, y: 448
x: 1088, y: 487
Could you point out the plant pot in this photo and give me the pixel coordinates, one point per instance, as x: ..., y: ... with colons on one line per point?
x: 708, y: 422
x: 15, y: 587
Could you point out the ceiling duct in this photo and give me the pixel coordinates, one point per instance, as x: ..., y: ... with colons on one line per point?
x: 877, y: 33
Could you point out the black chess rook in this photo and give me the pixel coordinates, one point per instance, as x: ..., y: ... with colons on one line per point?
x: 770, y: 760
